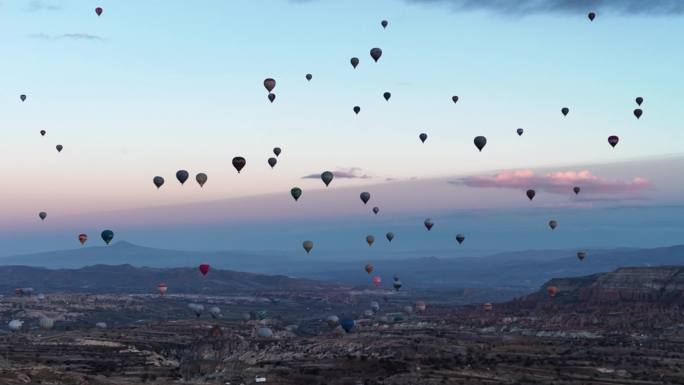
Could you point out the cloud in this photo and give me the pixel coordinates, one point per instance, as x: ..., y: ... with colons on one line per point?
x: 70, y: 36
x: 530, y: 7
x: 560, y: 182
x: 42, y: 5
x: 344, y: 173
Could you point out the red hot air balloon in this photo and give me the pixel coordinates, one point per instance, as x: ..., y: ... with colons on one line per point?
x: 98, y: 11
x: 204, y: 268
x: 162, y: 288
x: 377, y: 280
x: 552, y: 290
x: 82, y: 238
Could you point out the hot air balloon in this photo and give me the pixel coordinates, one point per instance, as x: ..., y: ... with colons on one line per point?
x: 272, y: 162
x: 204, y: 268
x: 377, y: 280
x: 639, y: 100
x: 347, y: 324
x: 82, y: 238
x: 196, y: 308
x: 357, y: 109
x: 376, y: 210
x: 384, y: 24
x: 264, y: 333
x: 201, y: 179
x: 376, y: 53
x: 368, y: 268
x: 98, y: 11
x: 591, y: 16
x: 520, y: 131
x: 423, y: 137
x: 46, y: 323
x: 296, y: 192
x: 553, y: 224
x: 308, y: 245
x: 576, y: 190
x: 354, y: 62
x: 239, y: 163
x: 454, y: 99
x: 460, y: 238
x: 420, y: 306
x: 581, y: 255
x: 309, y: 77
x: 428, y: 224
x: 182, y: 176
x: 613, y: 140
x: 101, y: 325
x: 552, y: 290
x: 271, y: 97
x: 389, y: 236
x: 42, y: 215
x: 327, y: 177
x: 42, y: 132
x: 638, y: 112
x: 480, y: 142
x: 488, y: 307
x: 277, y: 151
x: 15, y: 325
x: 531, y: 193
x: 565, y: 111
x: 365, y: 197
x: 375, y: 306
x: 158, y: 181
x: 215, y: 312
x: 162, y: 288
x: 408, y: 309
x: 107, y: 236
x: 387, y: 96
x: 59, y: 147
x: 396, y: 284
x: 22, y: 97
x: 370, y: 239
x: 332, y: 321
x: 269, y: 84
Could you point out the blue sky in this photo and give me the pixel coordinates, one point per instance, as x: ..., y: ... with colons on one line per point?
x: 151, y: 87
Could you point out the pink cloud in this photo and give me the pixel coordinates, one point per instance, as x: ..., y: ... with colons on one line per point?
x: 559, y: 182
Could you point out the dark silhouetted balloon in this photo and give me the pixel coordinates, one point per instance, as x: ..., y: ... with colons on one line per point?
x: 309, y: 77
x: 397, y: 284
x: 520, y: 131
x: 239, y: 163
x: 354, y: 62
x: 370, y: 239
x: 639, y: 100
x: 82, y: 238
x: 591, y: 16
x: 460, y: 238
x: 365, y: 197
x: 454, y: 99
x: 581, y: 255
x: 552, y: 290
x: 308, y: 245
x: 369, y: 268
x: 390, y: 236
x: 271, y: 97
x: 376, y: 53
x: 613, y: 140
x: 638, y: 112
x: 423, y: 137
x: 376, y: 210
x: 204, y: 268
x: 565, y: 111
x: 576, y: 189
x: 182, y: 176
x: 347, y: 324
x: 480, y: 142
x: 22, y: 97
x: 107, y: 236
x: 296, y: 192
x: 387, y: 96
x: 384, y: 24
x: 158, y: 181
x: 553, y: 224
x: 59, y: 147
x: 327, y: 177
x: 357, y: 109
x: 272, y: 162
x: 269, y: 84
x: 277, y: 151
x: 98, y: 11
x: 201, y: 179
x: 428, y: 224
x: 42, y: 215
x: 531, y: 193
x: 42, y: 132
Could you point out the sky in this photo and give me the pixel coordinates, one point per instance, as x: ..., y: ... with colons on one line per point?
x: 151, y: 87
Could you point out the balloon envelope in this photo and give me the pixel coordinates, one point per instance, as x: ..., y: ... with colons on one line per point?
x: 384, y: 24
x: 82, y: 238
x: 309, y: 77
x: 158, y: 181
x: 638, y: 112
x: 296, y: 193
x: 277, y: 151
x: 269, y: 84
x: 520, y: 131
x: 387, y: 96
x: 272, y: 162
x: 370, y: 240
x: 576, y: 190
x: 182, y: 176
x: 591, y: 16
x: 376, y: 53
x: 376, y: 210
x: 460, y: 238
x: 347, y: 324
x: 357, y: 109
x: 365, y: 197
x: 390, y: 236
x: 42, y: 132
x: 239, y: 163
x: 565, y: 111
x: 428, y: 224
x: 377, y: 280
x: 271, y: 97
x: 480, y: 142
x: 454, y: 99
x: 59, y: 147
x: 368, y: 268
x: 553, y: 224
x: 613, y: 140
x: 327, y: 177
x: 639, y: 100
x: 308, y: 245
x: 107, y: 236
x: 354, y: 62
x: 201, y: 179
x: 423, y: 137
x: 204, y: 268
x: 531, y: 194
x: 42, y: 215
x: 581, y: 255
x: 98, y: 11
